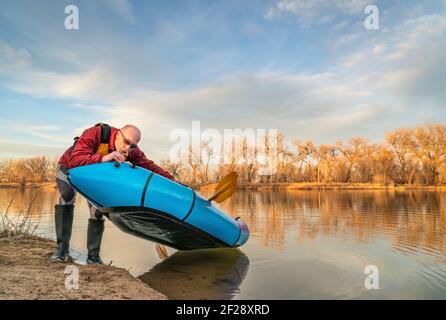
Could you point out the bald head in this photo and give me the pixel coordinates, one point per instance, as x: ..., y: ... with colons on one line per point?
x: 132, y: 133
x: 127, y: 139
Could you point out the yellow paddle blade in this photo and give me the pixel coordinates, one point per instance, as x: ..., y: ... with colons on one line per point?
x: 229, y: 178
x: 225, y: 188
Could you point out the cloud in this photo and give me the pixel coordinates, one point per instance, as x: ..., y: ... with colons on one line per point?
x: 297, y: 105
x: 381, y: 80
x: 363, y: 93
x: 90, y: 107
x: 408, y: 61
x: 26, y: 150
x: 345, y: 40
x: 50, y: 134
x: 123, y: 8
x: 270, y: 96
x: 317, y: 10
x: 12, y: 59
x: 19, y: 74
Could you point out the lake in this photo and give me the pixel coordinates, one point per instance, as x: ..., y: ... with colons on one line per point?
x: 303, y: 245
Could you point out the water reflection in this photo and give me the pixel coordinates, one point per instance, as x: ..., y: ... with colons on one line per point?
x: 38, y: 201
x: 199, y: 274
x: 412, y: 221
x: 303, y: 244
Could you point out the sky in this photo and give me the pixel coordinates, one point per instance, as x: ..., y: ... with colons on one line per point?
x: 308, y: 68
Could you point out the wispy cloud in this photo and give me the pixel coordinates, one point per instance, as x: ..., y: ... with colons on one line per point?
x: 25, y: 150
x: 310, y: 11
x: 123, y: 8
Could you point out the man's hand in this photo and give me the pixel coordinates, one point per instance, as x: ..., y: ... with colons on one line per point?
x: 114, y: 156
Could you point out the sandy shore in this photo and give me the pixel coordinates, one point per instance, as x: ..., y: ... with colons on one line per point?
x: 27, y: 273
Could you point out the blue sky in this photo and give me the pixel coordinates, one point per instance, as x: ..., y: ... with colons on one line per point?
x: 308, y: 68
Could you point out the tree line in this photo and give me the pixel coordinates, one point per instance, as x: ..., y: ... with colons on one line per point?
x: 35, y: 170
x: 407, y: 156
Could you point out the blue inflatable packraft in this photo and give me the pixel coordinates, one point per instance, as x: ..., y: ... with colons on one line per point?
x: 152, y: 207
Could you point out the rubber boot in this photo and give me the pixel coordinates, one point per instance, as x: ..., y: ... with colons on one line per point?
x: 94, y: 238
x: 64, y: 223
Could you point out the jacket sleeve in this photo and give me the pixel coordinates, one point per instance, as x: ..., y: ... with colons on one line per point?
x: 138, y: 158
x: 84, y: 151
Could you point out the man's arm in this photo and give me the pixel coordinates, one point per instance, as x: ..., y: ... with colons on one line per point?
x: 138, y: 158
x: 84, y: 151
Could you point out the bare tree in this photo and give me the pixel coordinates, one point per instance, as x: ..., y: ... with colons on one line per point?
x: 352, y: 152
x: 430, y: 149
x: 304, y: 152
x: 403, y: 144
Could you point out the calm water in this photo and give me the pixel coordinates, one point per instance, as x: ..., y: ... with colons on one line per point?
x: 303, y: 245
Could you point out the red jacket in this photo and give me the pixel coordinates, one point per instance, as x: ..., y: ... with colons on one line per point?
x: 84, y: 152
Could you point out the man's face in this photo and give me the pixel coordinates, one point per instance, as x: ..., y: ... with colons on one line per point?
x: 126, y: 140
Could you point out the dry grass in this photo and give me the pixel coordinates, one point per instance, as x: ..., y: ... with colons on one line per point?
x: 17, y: 224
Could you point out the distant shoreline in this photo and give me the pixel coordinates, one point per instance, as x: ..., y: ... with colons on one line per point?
x: 324, y: 186
x: 267, y: 186
x: 16, y: 185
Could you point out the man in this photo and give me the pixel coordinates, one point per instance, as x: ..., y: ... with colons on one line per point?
x: 100, y: 143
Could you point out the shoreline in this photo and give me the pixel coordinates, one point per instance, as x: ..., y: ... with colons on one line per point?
x: 322, y: 186
x: 268, y: 186
x: 27, y: 273
x: 28, y: 185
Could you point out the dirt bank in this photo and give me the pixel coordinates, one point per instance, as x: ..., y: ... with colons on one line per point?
x: 27, y: 273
